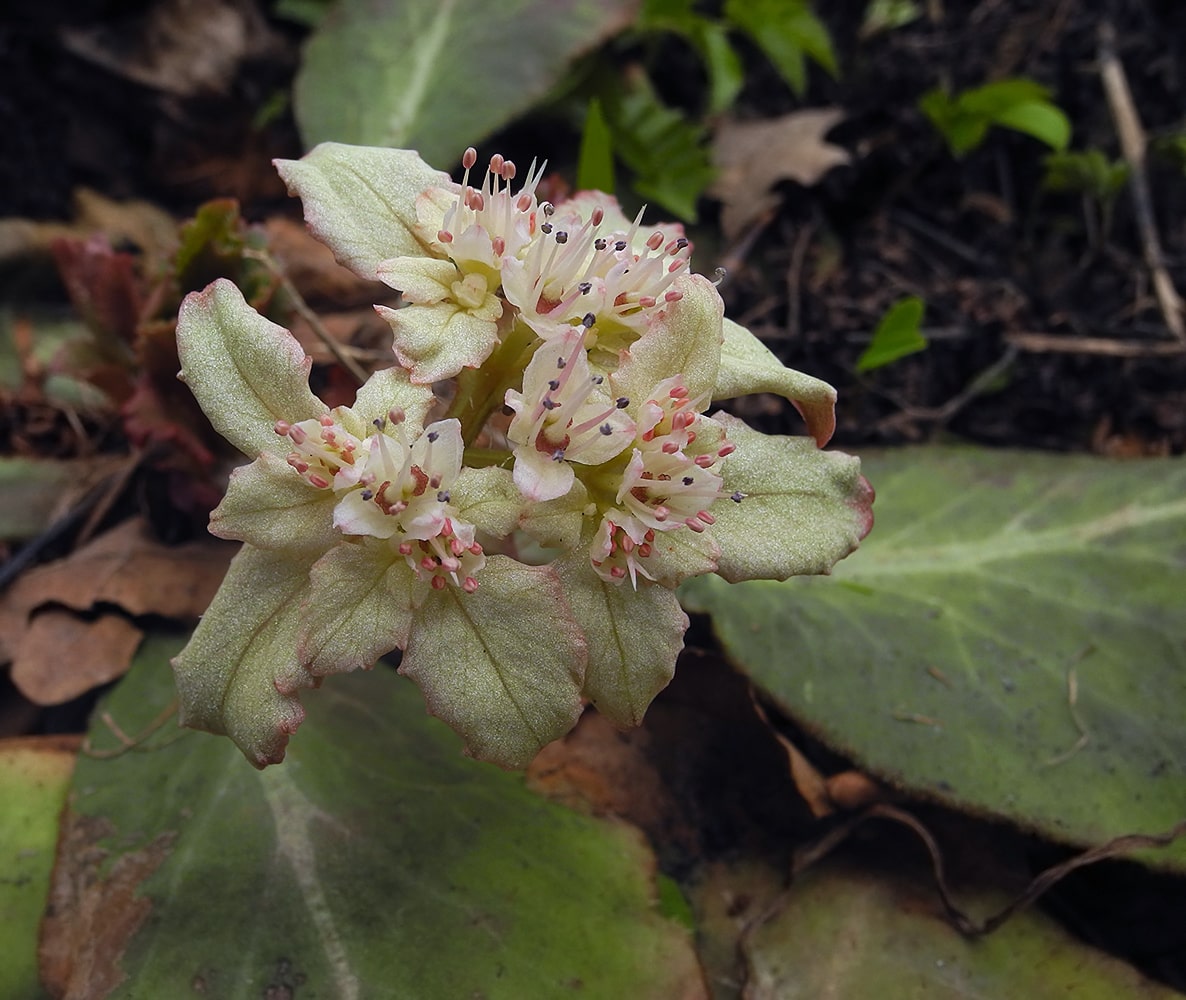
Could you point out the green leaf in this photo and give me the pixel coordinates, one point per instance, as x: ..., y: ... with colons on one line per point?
x: 847, y: 932
x: 886, y: 15
x: 666, y: 150
x: 749, y: 366
x: 1042, y: 120
x: 709, y: 38
x: 270, y: 506
x: 403, y: 74
x: 245, y: 371
x: 803, y: 509
x: 377, y: 862
x: 358, y: 609
x: 360, y: 201
x: 1088, y: 172
x: 896, y: 336
x: 238, y: 674
x: 787, y: 31
x: 1017, y: 103
x: 34, y: 778
x: 595, y: 162
x: 633, y: 635
x: 944, y: 655
x: 504, y: 665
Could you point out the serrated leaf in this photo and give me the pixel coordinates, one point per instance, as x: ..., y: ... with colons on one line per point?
x: 377, y: 862
x: 238, y: 674
x: 749, y: 366
x: 896, y: 336
x: 801, y: 509
x: 944, y: 655
x: 634, y: 637
x: 245, y: 371
x: 507, y: 681
x: 665, y: 149
x: 787, y: 31
x: 402, y: 74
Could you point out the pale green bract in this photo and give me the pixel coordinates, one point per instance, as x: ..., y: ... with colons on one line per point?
x: 520, y: 535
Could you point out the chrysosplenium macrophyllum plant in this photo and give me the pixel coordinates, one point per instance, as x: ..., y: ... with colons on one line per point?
x: 514, y: 502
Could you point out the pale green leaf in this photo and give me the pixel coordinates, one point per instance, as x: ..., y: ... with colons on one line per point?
x: 359, y: 607
x: 245, y: 371
x: 749, y: 366
x: 377, y: 862
x: 238, y: 674
x: 404, y: 74
x: 504, y: 665
x: 802, y: 509
x: 685, y: 341
x: 1010, y: 635
x: 360, y: 201
x: 633, y: 635
x: 848, y: 932
x: 270, y: 506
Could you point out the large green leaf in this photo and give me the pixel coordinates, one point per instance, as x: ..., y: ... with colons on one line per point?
x: 852, y: 933
x: 1011, y: 639
x: 376, y: 862
x: 438, y: 75
x: 34, y: 778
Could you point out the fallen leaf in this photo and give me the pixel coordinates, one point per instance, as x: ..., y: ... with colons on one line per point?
x: 752, y: 157
x: 61, y: 655
x: 125, y: 567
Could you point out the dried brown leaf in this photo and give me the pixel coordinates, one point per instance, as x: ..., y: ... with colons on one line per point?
x: 94, y: 912
x: 754, y: 156
x: 62, y: 655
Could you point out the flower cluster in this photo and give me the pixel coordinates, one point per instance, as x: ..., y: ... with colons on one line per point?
x: 513, y: 503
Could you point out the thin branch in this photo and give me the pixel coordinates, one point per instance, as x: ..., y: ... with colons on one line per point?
x: 1053, y: 343
x: 308, y: 315
x: 1132, y: 147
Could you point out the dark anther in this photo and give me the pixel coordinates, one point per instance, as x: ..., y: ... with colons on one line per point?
x: 379, y: 422
x: 546, y: 228
x: 620, y: 245
x: 432, y: 436
x: 562, y: 237
x: 554, y: 384
x: 585, y: 287
x: 597, y: 379
x: 588, y: 320
x: 621, y: 402
x: 737, y: 497
x: 368, y: 495
x: 688, y: 480
x: 549, y: 403
x: 561, y: 363
x: 443, y: 496
x: 558, y: 455
x: 681, y: 242
x: 600, y: 243
x: 606, y: 429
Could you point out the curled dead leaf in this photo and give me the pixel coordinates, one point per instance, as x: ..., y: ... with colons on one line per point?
x: 753, y: 156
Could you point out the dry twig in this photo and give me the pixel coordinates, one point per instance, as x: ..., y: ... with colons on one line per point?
x: 1132, y: 147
